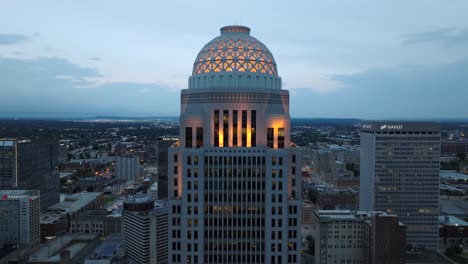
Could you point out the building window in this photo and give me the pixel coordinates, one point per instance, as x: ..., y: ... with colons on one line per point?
x: 281, y: 137
x: 253, y: 128
x: 244, y: 128
x: 216, y: 128
x: 188, y: 137
x: 199, y: 137
x: 225, y: 128
x: 234, y: 128
x: 270, y: 141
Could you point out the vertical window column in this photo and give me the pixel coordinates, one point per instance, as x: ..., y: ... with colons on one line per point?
x: 281, y: 137
x: 188, y: 137
x: 234, y: 128
x: 244, y: 128
x: 216, y: 128
x: 226, y: 128
x: 253, y: 121
x: 270, y: 139
x: 199, y: 135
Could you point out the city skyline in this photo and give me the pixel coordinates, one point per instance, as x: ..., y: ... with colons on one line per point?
x: 337, y: 59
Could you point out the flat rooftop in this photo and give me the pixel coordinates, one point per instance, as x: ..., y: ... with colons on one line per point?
x: 74, y: 202
x: 50, y: 252
x: 453, y: 175
x: 450, y: 220
x: 107, y: 248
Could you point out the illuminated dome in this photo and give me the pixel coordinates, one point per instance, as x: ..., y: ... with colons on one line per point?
x: 235, y: 51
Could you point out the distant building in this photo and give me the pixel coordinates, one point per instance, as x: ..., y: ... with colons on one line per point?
x: 164, y: 143
x: 452, y: 231
x: 399, y: 174
x: 153, y: 191
x: 26, y: 165
x: 331, y: 199
x: 19, y: 218
x: 74, y: 204
x: 128, y: 168
x: 145, y: 230
x: 454, y: 147
x: 344, y: 236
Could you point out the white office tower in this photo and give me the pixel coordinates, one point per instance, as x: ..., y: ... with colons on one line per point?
x: 144, y: 230
x: 128, y: 168
x: 19, y: 218
x: 400, y: 175
x: 234, y: 186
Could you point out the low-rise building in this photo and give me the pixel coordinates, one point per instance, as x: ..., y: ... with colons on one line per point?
x: 331, y: 199
x: 452, y: 231
x: 345, y: 236
x: 53, y: 224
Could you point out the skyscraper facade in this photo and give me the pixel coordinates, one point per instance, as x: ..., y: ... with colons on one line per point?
x: 234, y: 176
x: 145, y: 230
x: 26, y: 165
x: 400, y: 175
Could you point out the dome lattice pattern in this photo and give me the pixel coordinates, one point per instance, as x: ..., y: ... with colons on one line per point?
x: 235, y: 51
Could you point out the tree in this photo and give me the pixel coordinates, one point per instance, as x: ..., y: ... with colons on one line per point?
x: 454, y: 250
x: 310, y: 239
x: 313, y: 196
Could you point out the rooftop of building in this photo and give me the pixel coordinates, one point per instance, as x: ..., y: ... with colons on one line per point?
x: 107, y: 248
x: 402, y: 126
x: 349, y: 215
x: 51, y: 217
x: 75, y: 202
x: 426, y: 257
x: 450, y: 220
x: 50, y: 251
x: 453, y: 175
x: 97, y: 214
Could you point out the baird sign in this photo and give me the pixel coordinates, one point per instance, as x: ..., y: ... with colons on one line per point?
x: 391, y: 126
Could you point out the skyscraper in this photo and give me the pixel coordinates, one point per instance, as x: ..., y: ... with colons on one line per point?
x: 400, y: 175
x: 164, y: 143
x: 26, y: 165
x: 234, y: 186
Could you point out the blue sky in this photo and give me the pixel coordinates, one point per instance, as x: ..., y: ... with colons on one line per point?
x: 363, y: 59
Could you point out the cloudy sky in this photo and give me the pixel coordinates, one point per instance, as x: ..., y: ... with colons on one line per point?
x: 363, y: 59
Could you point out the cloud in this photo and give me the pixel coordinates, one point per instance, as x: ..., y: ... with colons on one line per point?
x: 406, y: 91
x: 11, y: 39
x: 447, y: 36
x: 47, y: 87
x: 95, y: 59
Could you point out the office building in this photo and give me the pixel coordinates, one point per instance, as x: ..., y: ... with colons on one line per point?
x: 163, y: 145
x: 128, y: 168
x: 344, y: 236
x: 145, y: 230
x: 400, y: 175
x: 26, y: 165
x: 19, y: 218
x: 234, y: 177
